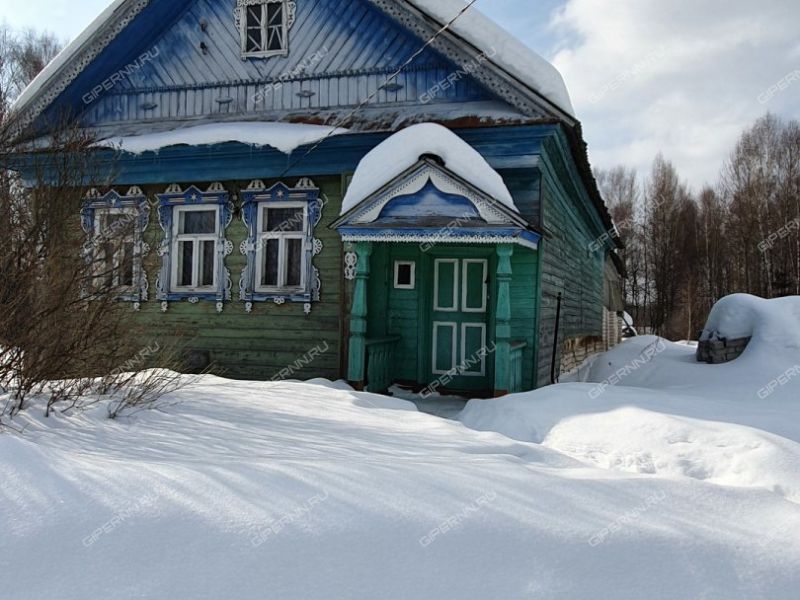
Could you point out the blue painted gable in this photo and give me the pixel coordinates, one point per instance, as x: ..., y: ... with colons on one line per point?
x: 182, y: 61
x: 428, y: 203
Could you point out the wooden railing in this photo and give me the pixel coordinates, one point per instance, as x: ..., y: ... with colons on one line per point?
x: 380, y: 363
x: 516, y: 367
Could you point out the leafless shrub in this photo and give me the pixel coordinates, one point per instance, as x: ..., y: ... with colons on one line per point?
x: 65, y: 336
x: 146, y: 390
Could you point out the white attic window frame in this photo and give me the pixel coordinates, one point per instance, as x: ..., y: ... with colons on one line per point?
x: 268, y: 32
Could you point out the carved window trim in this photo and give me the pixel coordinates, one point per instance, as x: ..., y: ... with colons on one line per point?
x: 255, y: 199
x: 289, y: 9
x: 192, y: 198
x: 135, y: 203
x: 195, y: 240
x: 282, y: 236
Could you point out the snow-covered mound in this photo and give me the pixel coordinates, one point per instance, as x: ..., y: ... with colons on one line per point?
x: 650, y: 433
x: 502, y: 48
x: 285, y: 137
x: 403, y: 150
x: 315, y: 492
x: 773, y: 324
x: 649, y: 407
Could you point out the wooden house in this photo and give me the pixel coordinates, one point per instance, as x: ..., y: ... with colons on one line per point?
x: 386, y: 191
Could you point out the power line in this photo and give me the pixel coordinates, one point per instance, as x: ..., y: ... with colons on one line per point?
x: 389, y: 80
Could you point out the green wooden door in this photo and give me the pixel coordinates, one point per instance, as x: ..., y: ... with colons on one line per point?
x: 460, y: 311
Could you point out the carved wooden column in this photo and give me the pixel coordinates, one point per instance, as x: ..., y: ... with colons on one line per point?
x: 502, y: 368
x: 358, y: 318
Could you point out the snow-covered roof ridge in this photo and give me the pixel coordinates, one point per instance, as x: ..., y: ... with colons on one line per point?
x: 63, y: 57
x: 285, y: 137
x: 505, y: 52
x: 501, y: 48
x: 401, y: 151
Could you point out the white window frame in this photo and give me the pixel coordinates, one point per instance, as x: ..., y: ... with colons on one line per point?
x: 265, y: 30
x: 100, y: 238
x: 262, y: 238
x: 403, y: 286
x: 178, y: 237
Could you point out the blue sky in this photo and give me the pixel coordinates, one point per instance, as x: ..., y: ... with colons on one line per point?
x: 681, y: 76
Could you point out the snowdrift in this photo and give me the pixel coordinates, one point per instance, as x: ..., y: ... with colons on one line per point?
x: 673, y: 483
x: 649, y: 407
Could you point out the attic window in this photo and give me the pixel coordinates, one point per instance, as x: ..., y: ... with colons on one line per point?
x: 264, y: 27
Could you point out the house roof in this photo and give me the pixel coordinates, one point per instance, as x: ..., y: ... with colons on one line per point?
x: 502, y: 48
x: 517, y: 74
x: 472, y: 32
x: 64, y: 58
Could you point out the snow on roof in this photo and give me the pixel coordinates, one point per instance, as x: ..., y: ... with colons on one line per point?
x: 502, y: 48
x: 65, y: 55
x: 403, y: 150
x: 286, y: 137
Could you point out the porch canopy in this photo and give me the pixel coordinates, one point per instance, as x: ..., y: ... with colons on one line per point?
x: 426, y: 185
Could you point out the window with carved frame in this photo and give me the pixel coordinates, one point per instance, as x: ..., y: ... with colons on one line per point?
x: 114, y: 241
x: 115, y: 247
x: 281, y: 246
x: 283, y: 237
x: 264, y: 27
x: 194, y: 247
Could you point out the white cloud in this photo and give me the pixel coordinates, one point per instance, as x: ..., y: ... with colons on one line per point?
x: 683, y: 76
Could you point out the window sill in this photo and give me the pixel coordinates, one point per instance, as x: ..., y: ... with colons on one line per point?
x: 262, y: 55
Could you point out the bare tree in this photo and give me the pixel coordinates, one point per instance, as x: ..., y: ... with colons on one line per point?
x: 620, y: 188
x: 23, y: 55
x: 684, y: 254
x: 65, y: 336
x: 760, y: 185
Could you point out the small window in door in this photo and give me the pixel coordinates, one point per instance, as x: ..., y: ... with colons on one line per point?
x: 405, y: 275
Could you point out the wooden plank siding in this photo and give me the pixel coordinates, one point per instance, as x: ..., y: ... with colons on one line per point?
x: 340, y: 53
x: 404, y: 312
x: 534, y: 161
x: 341, y: 69
x: 259, y: 345
x: 525, y: 308
x: 567, y: 264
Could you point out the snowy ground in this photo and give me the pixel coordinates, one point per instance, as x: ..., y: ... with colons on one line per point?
x: 678, y: 482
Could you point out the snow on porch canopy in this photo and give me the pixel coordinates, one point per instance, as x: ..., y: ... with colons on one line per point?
x: 426, y: 184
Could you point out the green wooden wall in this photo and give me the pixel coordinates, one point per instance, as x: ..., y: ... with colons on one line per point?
x: 568, y: 265
x: 273, y: 338
x: 525, y: 308
x: 398, y: 312
x: 259, y: 345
